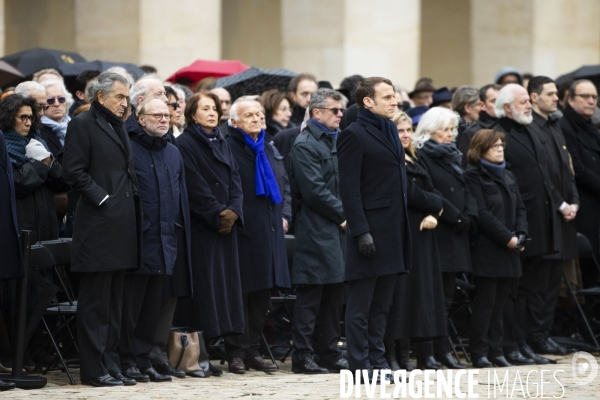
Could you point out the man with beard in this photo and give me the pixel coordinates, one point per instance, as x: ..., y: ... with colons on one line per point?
x: 526, y: 159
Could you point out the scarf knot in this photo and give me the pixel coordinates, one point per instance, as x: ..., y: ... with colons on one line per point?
x: 16, y: 144
x: 446, y: 152
x: 333, y: 134
x: 212, y: 135
x: 59, y: 128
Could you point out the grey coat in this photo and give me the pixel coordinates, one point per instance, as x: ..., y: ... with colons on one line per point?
x: 314, y: 177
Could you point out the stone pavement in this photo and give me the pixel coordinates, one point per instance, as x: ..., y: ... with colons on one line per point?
x: 287, y: 385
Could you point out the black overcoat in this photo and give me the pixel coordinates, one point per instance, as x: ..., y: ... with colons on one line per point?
x: 263, y: 259
x: 463, y: 141
x: 418, y: 309
x: 583, y: 143
x: 453, y: 247
x: 526, y: 159
x: 314, y: 175
x: 373, y: 192
x: 501, y: 215
x: 97, y: 163
x: 213, y: 184
x: 51, y: 139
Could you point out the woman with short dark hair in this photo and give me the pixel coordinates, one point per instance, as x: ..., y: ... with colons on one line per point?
x: 278, y: 108
x: 495, y: 255
x: 174, y: 110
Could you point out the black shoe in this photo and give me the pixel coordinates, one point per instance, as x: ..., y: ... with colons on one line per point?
x: 528, y: 352
x: 135, y: 373
x: 7, y: 385
x: 103, y: 381
x: 390, y: 354
x: 544, y: 346
x: 481, y: 362
x: 337, y: 366
x: 156, y: 377
x: 516, y: 358
x: 126, y: 381
x: 560, y: 350
x: 500, y: 361
x: 406, y: 364
x: 214, y: 370
x: 308, y: 366
x: 448, y: 361
x: 428, y: 363
x: 166, y: 369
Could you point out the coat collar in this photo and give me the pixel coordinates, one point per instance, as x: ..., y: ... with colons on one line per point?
x: 239, y: 138
x: 379, y: 136
x: 204, y: 141
x: 105, y: 126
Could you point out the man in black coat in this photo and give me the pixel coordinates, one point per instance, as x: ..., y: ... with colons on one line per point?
x: 261, y: 243
x: 373, y: 193
x: 544, y: 100
x: 107, y: 236
x: 301, y: 87
x: 527, y: 160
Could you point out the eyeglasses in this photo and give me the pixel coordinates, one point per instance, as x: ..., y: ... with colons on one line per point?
x: 52, y: 100
x: 26, y: 117
x: 499, y: 146
x: 174, y: 104
x: 587, y: 96
x: 160, y: 116
x: 42, y: 106
x: 334, y: 110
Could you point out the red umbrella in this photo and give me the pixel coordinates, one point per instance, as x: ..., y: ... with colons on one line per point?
x: 201, y: 69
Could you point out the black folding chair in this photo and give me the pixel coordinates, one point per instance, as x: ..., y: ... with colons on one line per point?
x: 463, y: 298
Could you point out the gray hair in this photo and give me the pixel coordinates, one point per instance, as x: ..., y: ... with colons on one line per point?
x: 55, y: 82
x: 505, y: 96
x: 122, y: 71
x: 25, y: 88
x: 140, y: 88
x: 233, y: 111
x: 104, y: 83
x: 433, y: 120
x: 141, y: 109
x: 464, y: 95
x: 318, y: 98
x: 186, y: 90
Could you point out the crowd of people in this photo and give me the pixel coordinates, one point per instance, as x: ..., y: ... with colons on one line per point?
x: 179, y: 203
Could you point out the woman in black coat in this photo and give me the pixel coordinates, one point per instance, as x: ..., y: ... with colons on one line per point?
x: 437, y: 153
x: 501, y: 235
x: 278, y: 110
x: 418, y: 305
x: 214, y: 193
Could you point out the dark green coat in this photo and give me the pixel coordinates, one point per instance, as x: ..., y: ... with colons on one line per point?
x: 314, y: 178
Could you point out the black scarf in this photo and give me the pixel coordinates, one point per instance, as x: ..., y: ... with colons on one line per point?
x: 116, y: 122
x: 496, y: 170
x: 446, y: 152
x: 580, y: 123
x: 385, y: 126
x: 212, y: 135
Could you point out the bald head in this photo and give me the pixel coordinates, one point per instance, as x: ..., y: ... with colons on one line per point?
x: 225, y: 99
x: 148, y: 86
x: 513, y: 102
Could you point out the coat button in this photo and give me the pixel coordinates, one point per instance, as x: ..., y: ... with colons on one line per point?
x: 452, y: 189
x: 594, y: 158
x: 151, y: 165
x: 126, y: 194
x: 217, y: 184
x: 414, y: 179
x: 272, y: 229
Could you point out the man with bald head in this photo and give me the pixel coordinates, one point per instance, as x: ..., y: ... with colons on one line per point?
x: 528, y: 162
x: 261, y: 243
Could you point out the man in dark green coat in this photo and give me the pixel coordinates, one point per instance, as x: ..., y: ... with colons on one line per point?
x: 318, y: 264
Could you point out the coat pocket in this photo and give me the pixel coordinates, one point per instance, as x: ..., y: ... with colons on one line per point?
x: 377, y: 203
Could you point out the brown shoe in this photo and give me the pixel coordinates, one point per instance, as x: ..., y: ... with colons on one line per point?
x: 236, y: 365
x: 258, y: 363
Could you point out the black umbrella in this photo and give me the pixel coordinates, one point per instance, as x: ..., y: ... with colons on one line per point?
x: 255, y: 81
x: 30, y: 61
x: 591, y: 72
x: 72, y: 70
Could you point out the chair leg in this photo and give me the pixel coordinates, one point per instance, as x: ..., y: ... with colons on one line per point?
x: 268, y: 348
x: 460, y: 342
x: 58, y: 352
x: 587, y: 324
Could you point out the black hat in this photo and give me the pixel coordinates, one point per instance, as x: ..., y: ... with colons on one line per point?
x: 442, y: 95
x: 422, y: 85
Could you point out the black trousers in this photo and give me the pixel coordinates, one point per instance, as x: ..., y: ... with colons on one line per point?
x: 486, y: 332
x: 367, y: 309
x: 256, y: 306
x: 441, y: 344
x: 158, y: 355
x: 321, y: 305
x: 141, y: 309
x: 99, y: 322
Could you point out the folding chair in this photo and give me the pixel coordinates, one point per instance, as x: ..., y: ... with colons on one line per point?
x: 463, y: 297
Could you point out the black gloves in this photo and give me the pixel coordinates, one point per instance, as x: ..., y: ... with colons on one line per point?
x: 521, y: 239
x: 366, y: 247
x: 462, y: 224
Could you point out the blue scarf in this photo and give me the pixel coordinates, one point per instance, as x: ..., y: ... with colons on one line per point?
x: 332, y: 134
x: 15, y: 146
x: 496, y: 170
x: 59, y: 128
x: 446, y: 152
x: 265, y: 181
x: 385, y: 126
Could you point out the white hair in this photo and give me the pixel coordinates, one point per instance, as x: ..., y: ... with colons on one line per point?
x: 140, y: 88
x: 505, y: 96
x: 123, y: 72
x: 60, y: 84
x: 433, y: 120
x: 233, y: 111
x: 25, y: 88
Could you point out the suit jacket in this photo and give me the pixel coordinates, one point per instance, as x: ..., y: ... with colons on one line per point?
x: 373, y: 189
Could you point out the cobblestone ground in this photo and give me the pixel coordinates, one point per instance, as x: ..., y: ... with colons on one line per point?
x: 287, y: 385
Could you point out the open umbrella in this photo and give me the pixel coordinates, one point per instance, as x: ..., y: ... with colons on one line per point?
x: 9, y: 74
x: 30, y: 61
x: 255, y: 81
x: 201, y: 69
x: 75, y: 69
x: 591, y: 72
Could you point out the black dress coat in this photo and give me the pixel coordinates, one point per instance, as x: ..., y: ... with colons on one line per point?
x: 583, y: 143
x: 213, y: 184
x: 51, y: 139
x: 262, y: 253
x: 463, y: 141
x: 453, y: 247
x: 526, y: 159
x: 422, y: 288
x: 319, y: 245
x: 97, y: 162
x: 501, y: 215
x: 373, y: 192
x: 10, y: 249
x: 553, y: 143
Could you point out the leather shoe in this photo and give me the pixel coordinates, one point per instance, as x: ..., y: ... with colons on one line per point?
x: 156, y: 377
x: 516, y: 358
x: 197, y: 374
x: 126, y: 381
x: 4, y: 385
x: 528, y: 352
x: 560, y: 350
x: 481, y: 362
x: 103, y: 381
x: 166, y: 369
x: 307, y: 366
x: 258, y: 363
x: 135, y: 373
x: 428, y: 362
x: 236, y: 365
x: 448, y: 361
x: 500, y: 361
x: 545, y: 347
x: 214, y: 370
x: 337, y: 366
